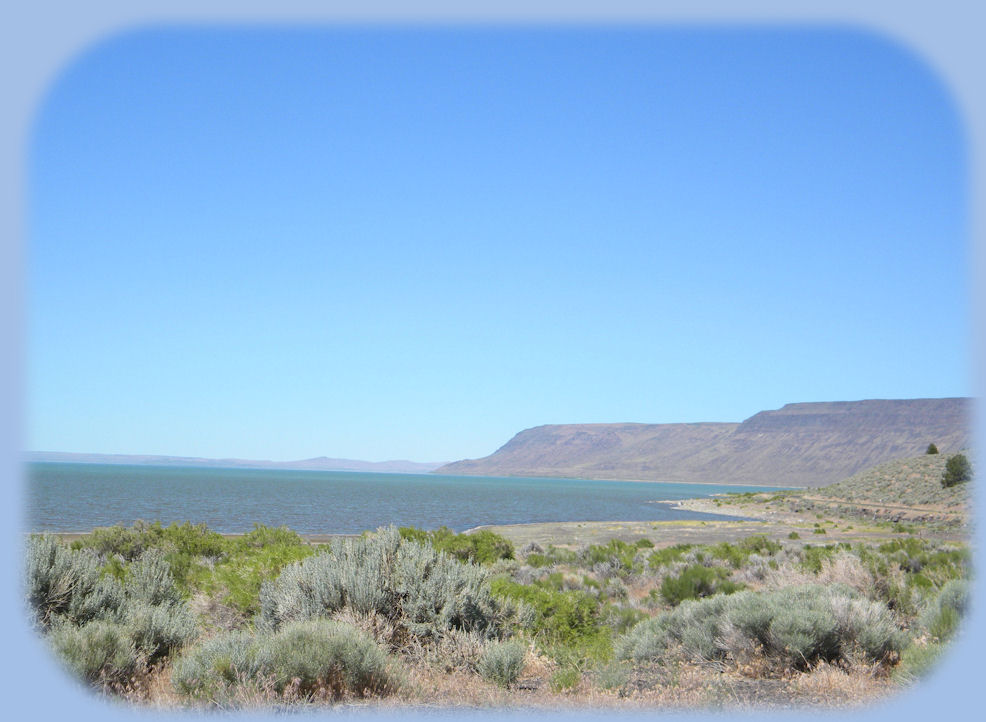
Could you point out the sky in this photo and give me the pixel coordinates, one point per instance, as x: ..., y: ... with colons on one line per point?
x: 384, y: 243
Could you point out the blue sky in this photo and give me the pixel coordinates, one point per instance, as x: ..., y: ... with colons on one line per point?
x: 412, y: 243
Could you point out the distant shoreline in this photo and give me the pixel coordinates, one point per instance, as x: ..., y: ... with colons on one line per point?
x: 176, y: 465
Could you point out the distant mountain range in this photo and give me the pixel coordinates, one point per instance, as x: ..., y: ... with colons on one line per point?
x: 320, y: 463
x: 799, y: 445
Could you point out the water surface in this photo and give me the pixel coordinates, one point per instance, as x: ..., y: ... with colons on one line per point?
x: 63, y: 497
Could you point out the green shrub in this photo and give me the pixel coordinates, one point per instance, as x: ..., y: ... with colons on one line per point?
x: 794, y: 535
x: 732, y: 555
x: 958, y: 470
x: 759, y: 544
x: 238, y: 577
x: 184, y: 546
x: 502, y: 662
x: 553, y: 555
x: 813, y: 558
x: 481, y: 547
x: 667, y: 556
x: 565, y: 678
x: 560, y: 617
x: 932, y: 449
x: 265, y: 536
x: 917, y: 661
x: 620, y: 555
x: 941, y: 616
x: 423, y: 590
x: 737, y: 554
x: 696, y: 581
x: 130, y: 542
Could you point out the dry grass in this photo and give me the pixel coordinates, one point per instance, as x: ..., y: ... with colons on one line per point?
x: 680, y: 686
x: 843, y: 568
x: 832, y: 687
x: 215, y: 615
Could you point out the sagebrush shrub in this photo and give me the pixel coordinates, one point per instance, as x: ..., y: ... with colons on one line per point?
x: 335, y: 658
x: 424, y: 590
x: 99, y: 651
x: 208, y: 669
x: 65, y: 583
x: 101, y: 628
x: 941, y: 615
x: 502, y: 662
x: 149, y: 580
x: 313, y: 658
x: 797, y: 626
x: 158, y: 629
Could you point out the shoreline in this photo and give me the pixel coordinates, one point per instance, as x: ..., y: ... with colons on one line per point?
x: 637, y: 481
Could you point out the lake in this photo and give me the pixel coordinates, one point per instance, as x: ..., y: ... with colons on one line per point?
x: 64, y: 497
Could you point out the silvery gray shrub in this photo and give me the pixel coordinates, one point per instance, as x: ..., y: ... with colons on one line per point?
x: 101, y: 628
x: 98, y: 651
x: 424, y: 590
x: 61, y: 582
x: 502, y: 662
x: 797, y: 625
x: 313, y: 655
x: 149, y: 580
x: 941, y: 614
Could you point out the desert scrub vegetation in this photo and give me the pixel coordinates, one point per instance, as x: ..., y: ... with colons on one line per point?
x: 697, y: 581
x: 916, y: 480
x: 482, y: 547
x: 103, y: 628
x: 307, y: 660
x: 421, y: 590
x: 267, y: 619
x: 203, y: 562
x: 794, y: 627
x: 502, y: 662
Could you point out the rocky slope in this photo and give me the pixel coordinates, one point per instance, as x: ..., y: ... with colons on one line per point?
x: 803, y: 444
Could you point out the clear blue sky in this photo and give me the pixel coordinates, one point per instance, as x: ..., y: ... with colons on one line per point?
x: 400, y: 243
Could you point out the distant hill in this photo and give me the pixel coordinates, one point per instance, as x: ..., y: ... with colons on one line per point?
x: 321, y: 463
x: 798, y: 445
x: 905, y: 481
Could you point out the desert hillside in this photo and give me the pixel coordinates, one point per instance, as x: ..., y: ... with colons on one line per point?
x: 904, y: 481
x: 798, y: 445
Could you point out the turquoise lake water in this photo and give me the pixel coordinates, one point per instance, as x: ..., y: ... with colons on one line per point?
x: 77, y: 497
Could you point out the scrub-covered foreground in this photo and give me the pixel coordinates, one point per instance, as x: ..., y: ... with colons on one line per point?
x: 181, y: 615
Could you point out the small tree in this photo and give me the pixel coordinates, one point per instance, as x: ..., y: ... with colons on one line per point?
x: 958, y: 470
x: 932, y: 449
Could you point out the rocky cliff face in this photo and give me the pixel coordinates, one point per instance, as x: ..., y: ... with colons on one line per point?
x: 803, y: 444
